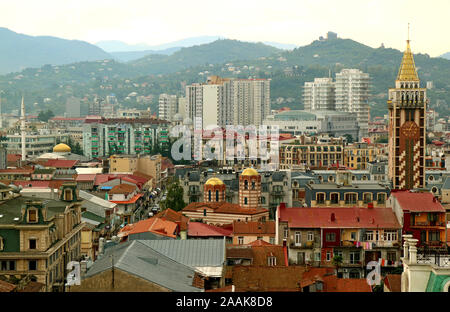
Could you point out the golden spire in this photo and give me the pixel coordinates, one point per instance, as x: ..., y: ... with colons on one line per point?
x: 407, y: 70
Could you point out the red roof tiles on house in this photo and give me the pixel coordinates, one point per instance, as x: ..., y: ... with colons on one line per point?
x: 122, y: 189
x: 85, y: 177
x: 154, y: 224
x: 339, y: 217
x: 6, y: 287
x: 417, y: 202
x: 174, y: 216
x: 198, y: 229
x: 393, y: 282
x: 60, y: 163
x: 254, y: 227
x: 130, y: 201
x: 222, y: 207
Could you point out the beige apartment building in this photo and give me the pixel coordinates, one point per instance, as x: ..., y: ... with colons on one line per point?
x: 149, y: 165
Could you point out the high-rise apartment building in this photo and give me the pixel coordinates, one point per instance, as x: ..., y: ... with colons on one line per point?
x: 168, y: 106
x: 223, y: 101
x: 319, y: 95
x: 407, y: 127
x: 73, y: 107
x: 352, y: 95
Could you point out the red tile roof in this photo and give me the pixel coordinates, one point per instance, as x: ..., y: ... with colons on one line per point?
x: 254, y: 227
x: 417, y: 202
x: 54, y: 184
x: 105, y: 177
x: 17, y: 171
x: 335, y: 284
x: 259, y: 242
x: 130, y: 201
x: 85, y: 177
x: 13, y: 157
x: 393, y: 282
x: 198, y: 229
x: 174, y: 216
x: 6, y: 287
x: 122, y: 189
x: 154, y: 225
x: 60, y: 163
x: 344, y: 217
x: 222, y: 207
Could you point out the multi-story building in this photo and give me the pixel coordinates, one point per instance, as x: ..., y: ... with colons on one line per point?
x: 407, y: 127
x: 39, y: 237
x: 316, y: 236
x: 73, y: 107
x: 168, y: 106
x: 104, y: 137
x: 228, y: 101
x: 301, y: 154
x: 298, y: 122
x: 358, y: 155
x: 352, y: 96
x: 145, y: 164
x: 422, y: 216
x: 319, y: 95
x: 343, y: 192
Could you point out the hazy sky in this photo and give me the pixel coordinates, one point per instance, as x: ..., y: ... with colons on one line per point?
x: 371, y: 22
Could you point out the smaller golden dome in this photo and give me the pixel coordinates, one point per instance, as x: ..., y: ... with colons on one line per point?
x: 250, y: 172
x: 62, y: 148
x: 214, y: 181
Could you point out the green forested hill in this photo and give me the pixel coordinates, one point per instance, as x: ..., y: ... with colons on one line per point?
x: 288, y: 70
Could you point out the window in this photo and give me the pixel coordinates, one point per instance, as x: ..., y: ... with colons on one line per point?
x: 320, y: 198
x: 245, y: 184
x: 272, y: 240
x: 317, y: 256
x: 369, y: 236
x: 354, y: 274
x: 390, y: 235
x: 209, y: 195
x: 217, y: 196
x: 240, y: 240
x: 328, y: 256
x: 32, y: 265
x: 367, y: 197
x: 245, y: 201
x: 334, y: 198
x: 354, y: 257
x: 392, y: 256
x: 338, y: 253
x: 253, y: 185
x: 433, y: 236
x: 1, y: 243
x: 331, y: 237
x: 32, y: 215
x: 32, y: 243
x: 381, y: 198
x: 271, y: 261
x: 286, y: 232
x: 310, y: 236
x: 263, y: 200
x: 298, y: 238
x: 353, y: 236
x: 350, y: 198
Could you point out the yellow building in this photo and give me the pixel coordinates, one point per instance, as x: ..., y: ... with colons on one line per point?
x: 39, y: 237
x: 358, y: 155
x: 148, y: 165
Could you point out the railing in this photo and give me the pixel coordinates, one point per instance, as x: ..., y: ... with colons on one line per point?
x: 441, y: 260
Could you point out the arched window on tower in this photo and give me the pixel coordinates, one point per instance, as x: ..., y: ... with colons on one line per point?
x: 245, y: 201
x: 217, y: 196
x: 209, y: 195
x: 246, y: 184
x: 253, y: 185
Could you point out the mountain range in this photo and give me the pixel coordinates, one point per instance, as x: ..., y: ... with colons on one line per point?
x: 19, y: 51
x: 288, y: 70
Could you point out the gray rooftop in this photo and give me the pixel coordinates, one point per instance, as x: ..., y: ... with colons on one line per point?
x: 137, y: 258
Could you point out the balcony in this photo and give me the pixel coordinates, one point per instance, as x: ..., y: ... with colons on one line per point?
x: 428, y: 224
x: 307, y: 245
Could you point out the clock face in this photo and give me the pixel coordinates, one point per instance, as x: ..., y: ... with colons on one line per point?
x: 410, y: 129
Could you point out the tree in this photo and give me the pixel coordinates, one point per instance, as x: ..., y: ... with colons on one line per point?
x: 383, y: 139
x: 174, y: 199
x: 337, y: 261
x: 45, y: 116
x: 349, y: 138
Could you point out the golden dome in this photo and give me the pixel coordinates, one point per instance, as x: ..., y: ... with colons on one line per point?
x: 214, y: 181
x: 61, y: 148
x: 250, y: 172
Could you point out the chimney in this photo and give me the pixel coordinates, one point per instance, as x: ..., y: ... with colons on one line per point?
x: 333, y: 217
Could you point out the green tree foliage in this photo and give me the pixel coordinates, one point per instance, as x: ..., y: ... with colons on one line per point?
x: 174, y: 199
x: 45, y: 115
x: 383, y: 139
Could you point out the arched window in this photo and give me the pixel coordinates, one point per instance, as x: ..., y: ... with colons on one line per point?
x: 217, y: 196
x: 245, y: 201
x: 209, y: 195
x: 253, y: 185
x: 246, y: 184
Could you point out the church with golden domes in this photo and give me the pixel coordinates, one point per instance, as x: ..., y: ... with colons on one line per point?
x: 215, y: 209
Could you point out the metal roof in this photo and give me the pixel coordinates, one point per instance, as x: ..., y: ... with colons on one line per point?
x: 139, y: 259
x: 194, y: 252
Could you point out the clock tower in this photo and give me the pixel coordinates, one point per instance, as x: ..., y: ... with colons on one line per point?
x: 407, y: 136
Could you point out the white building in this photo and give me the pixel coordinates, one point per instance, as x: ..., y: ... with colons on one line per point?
x: 168, y: 106
x: 352, y: 95
x: 319, y: 95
